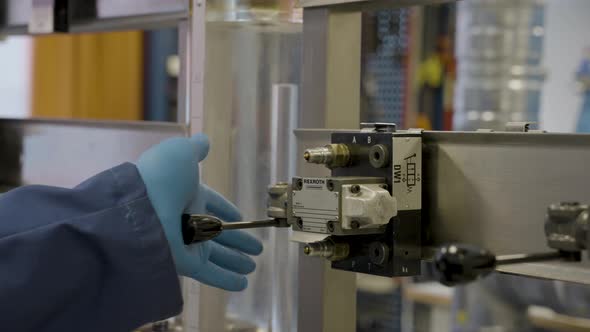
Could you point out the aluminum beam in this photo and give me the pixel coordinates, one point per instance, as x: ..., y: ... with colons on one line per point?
x: 21, y: 16
x: 331, y: 77
x: 369, y: 4
x: 64, y: 153
x: 493, y: 189
x: 132, y: 14
x: 14, y: 16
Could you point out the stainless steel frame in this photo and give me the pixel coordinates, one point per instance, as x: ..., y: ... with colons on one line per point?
x: 14, y: 16
x: 485, y: 188
x: 23, y: 16
x: 135, y: 14
x: 489, y: 189
x: 368, y: 4
x: 493, y: 189
x: 63, y: 153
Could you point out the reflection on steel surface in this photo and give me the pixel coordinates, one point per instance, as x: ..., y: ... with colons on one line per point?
x: 64, y: 153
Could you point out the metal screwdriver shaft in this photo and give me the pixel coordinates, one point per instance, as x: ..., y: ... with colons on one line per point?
x: 528, y: 258
x: 462, y: 263
x: 198, y: 228
x: 250, y: 224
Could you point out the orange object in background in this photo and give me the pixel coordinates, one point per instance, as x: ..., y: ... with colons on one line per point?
x: 422, y: 121
x: 88, y: 76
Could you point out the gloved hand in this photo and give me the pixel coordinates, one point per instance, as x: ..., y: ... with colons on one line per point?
x: 170, y: 172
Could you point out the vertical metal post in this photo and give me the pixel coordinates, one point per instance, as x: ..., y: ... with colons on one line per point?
x: 282, y: 167
x: 196, y: 64
x: 327, y: 297
x: 42, y: 17
x: 330, y: 98
x: 190, y: 100
x: 182, y: 113
x: 197, y: 317
x: 283, y: 118
x: 331, y: 88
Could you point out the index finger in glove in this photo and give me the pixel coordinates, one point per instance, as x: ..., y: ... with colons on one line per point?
x: 218, y: 205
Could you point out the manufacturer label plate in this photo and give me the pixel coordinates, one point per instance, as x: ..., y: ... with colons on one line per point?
x: 315, y: 205
x: 407, y: 172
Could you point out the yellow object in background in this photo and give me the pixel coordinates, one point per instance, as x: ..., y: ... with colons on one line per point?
x: 88, y: 76
x: 461, y: 318
x: 431, y: 71
x: 422, y: 121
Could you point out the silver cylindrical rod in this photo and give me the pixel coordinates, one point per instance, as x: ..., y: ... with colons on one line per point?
x: 250, y: 224
x: 321, y: 155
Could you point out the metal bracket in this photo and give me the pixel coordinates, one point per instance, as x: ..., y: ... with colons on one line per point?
x: 522, y: 127
x: 415, y: 130
x: 379, y: 127
x: 515, y: 127
x: 42, y: 19
x: 48, y: 16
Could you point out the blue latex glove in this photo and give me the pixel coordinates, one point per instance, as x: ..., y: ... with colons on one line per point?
x: 170, y: 172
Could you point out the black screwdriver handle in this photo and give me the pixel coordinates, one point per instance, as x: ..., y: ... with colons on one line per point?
x: 199, y: 228
x: 462, y: 263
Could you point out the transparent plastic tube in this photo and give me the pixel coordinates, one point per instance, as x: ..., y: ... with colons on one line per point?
x: 252, y: 69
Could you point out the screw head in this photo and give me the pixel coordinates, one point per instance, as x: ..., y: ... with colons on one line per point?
x: 299, y: 222
x: 569, y: 204
x: 299, y: 184
x: 379, y: 156
x: 355, y: 189
x: 330, y: 185
x: 355, y: 224
x: 378, y: 253
x: 331, y: 226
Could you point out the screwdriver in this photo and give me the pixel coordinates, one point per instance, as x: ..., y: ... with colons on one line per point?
x: 462, y: 263
x: 199, y: 227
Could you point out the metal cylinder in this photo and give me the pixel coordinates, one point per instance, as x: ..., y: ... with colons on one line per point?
x: 251, y: 83
x: 321, y: 155
x: 328, y: 249
x: 332, y: 155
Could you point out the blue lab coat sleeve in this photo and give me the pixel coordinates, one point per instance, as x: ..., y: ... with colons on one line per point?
x: 91, y: 258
